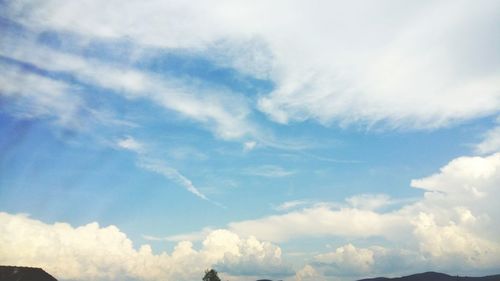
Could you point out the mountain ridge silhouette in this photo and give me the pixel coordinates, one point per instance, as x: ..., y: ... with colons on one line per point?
x: 434, y: 276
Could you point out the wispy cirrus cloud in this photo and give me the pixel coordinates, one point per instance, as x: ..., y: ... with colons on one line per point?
x: 146, y: 162
x: 328, y: 81
x: 270, y: 171
x: 129, y: 143
x: 36, y: 96
x: 219, y: 110
x: 490, y: 142
x: 402, y: 78
x: 159, y: 167
x: 249, y: 145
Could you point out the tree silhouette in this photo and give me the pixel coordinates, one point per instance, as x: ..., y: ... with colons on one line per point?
x: 211, y: 275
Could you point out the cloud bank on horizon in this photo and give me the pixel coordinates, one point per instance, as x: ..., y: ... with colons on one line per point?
x: 453, y: 227
x: 306, y: 109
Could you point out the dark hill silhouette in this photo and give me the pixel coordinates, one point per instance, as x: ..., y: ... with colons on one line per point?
x: 435, y: 276
x: 21, y: 273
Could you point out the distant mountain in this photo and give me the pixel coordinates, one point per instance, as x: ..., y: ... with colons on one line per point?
x: 20, y: 273
x: 435, y: 276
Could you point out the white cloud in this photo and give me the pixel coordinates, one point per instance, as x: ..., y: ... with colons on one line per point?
x: 187, y: 153
x: 349, y: 262
x: 369, y: 201
x: 466, y: 183
x: 91, y: 252
x: 464, y: 177
x: 307, y: 273
x: 270, y: 171
x: 129, y: 143
x: 158, y: 166
x: 455, y: 220
x: 253, y: 257
x: 490, y: 142
x: 249, y: 145
x: 286, y: 206
x: 321, y: 221
x: 172, y: 174
x: 413, y: 65
x: 452, y: 244
x: 36, y: 96
x: 349, y: 259
x: 452, y: 227
x: 404, y: 78
x: 192, y: 236
x: 377, y: 202
x: 402, y: 66
x: 30, y: 95
x: 221, y: 111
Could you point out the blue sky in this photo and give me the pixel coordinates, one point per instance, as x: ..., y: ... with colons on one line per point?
x: 149, y: 141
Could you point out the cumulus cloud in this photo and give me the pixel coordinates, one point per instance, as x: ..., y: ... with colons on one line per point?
x: 452, y: 227
x: 349, y: 259
x: 253, y: 257
x: 349, y: 262
x: 452, y: 245
x: 455, y: 220
x: 307, y: 273
x: 465, y: 184
x: 92, y: 252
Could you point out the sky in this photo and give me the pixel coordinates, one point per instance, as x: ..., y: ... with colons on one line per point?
x: 290, y: 140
